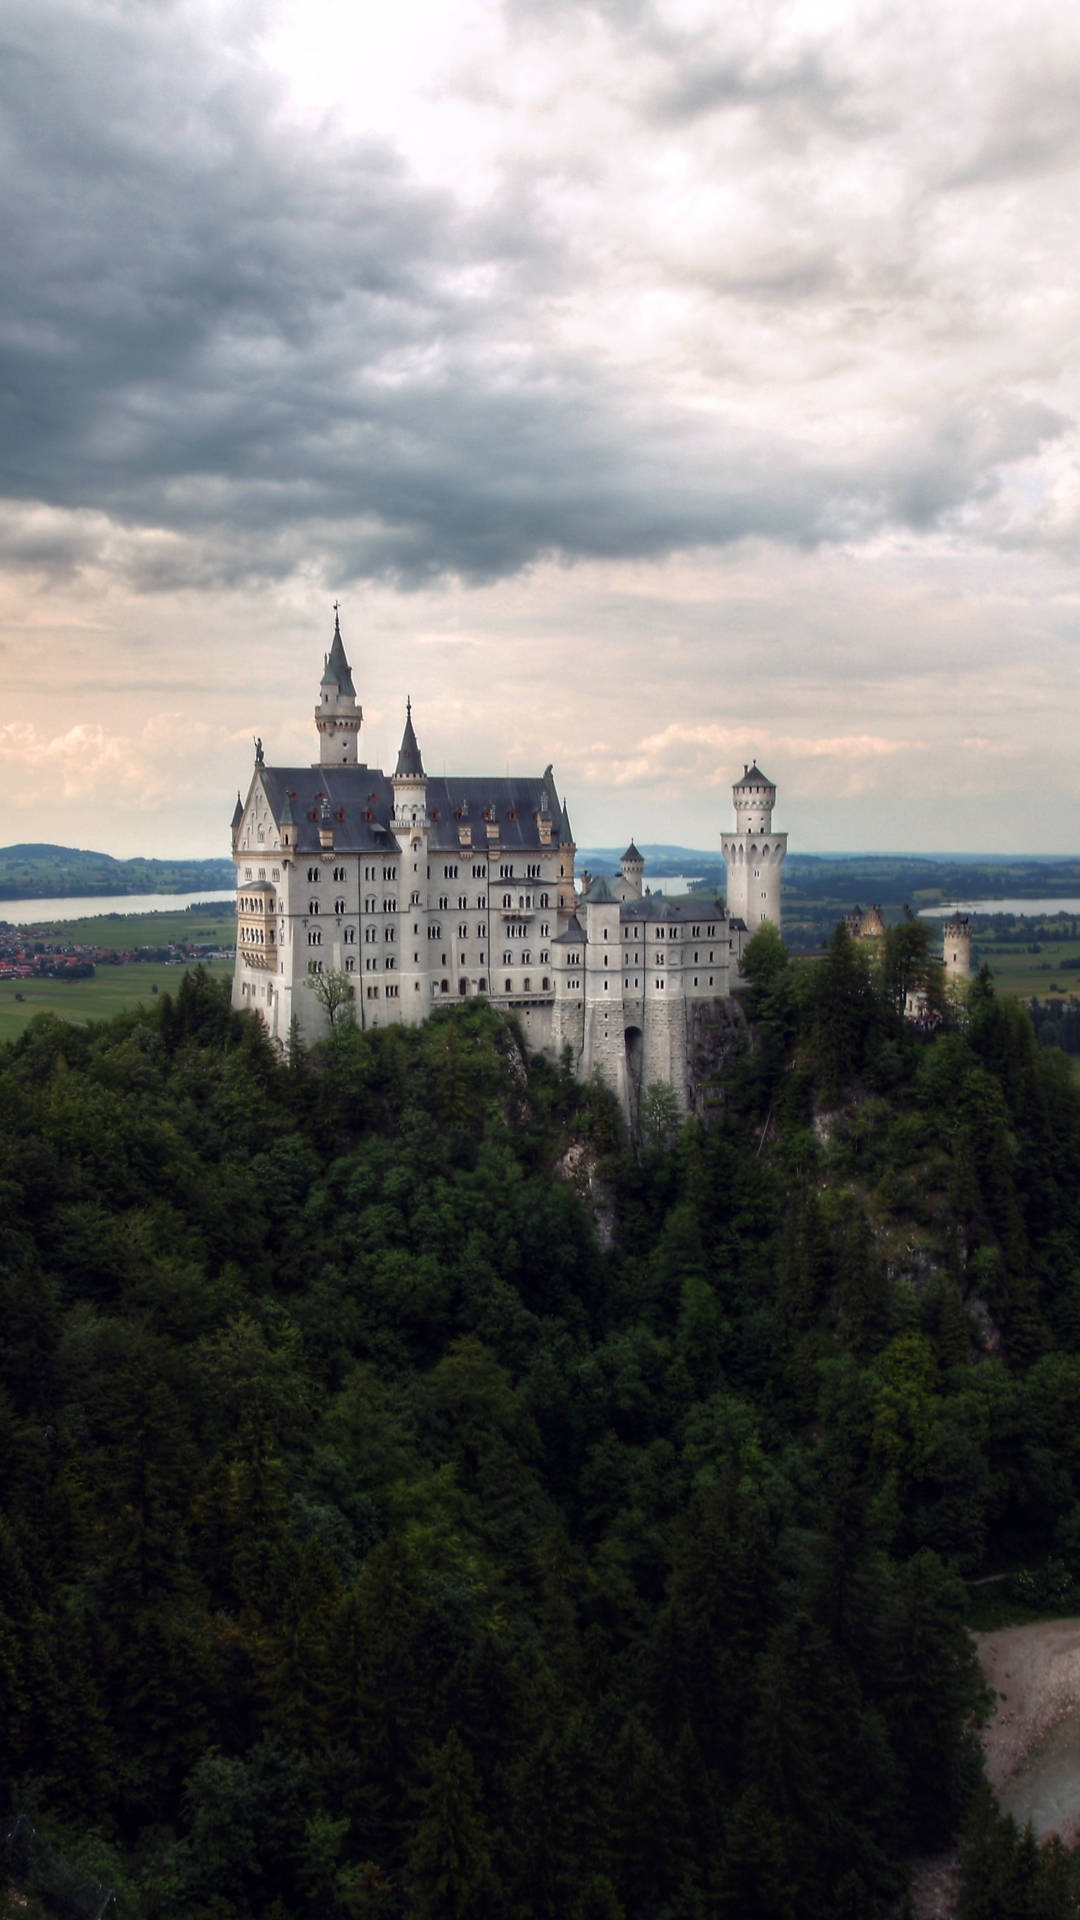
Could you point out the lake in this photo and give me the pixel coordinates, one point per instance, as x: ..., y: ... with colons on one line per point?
x: 1001, y: 906
x: 33, y: 913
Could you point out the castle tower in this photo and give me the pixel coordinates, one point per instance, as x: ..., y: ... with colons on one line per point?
x: 956, y: 937
x: 754, y: 854
x: 632, y: 868
x: 567, y: 896
x: 337, y: 716
x: 409, y: 781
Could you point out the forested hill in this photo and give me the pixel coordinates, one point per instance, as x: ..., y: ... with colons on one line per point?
x: 417, y: 1504
x: 32, y: 871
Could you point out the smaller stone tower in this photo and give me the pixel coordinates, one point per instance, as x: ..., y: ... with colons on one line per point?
x: 337, y: 716
x: 632, y: 868
x: 956, y: 950
x: 754, y: 854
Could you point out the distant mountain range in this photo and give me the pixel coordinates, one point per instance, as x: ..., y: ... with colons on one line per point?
x: 35, y: 870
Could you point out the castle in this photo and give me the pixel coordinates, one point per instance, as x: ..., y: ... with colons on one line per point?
x: 434, y: 889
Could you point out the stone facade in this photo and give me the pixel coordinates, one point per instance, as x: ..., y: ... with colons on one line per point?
x: 424, y: 891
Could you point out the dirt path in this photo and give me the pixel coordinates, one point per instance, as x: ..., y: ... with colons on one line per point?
x: 1035, y: 1673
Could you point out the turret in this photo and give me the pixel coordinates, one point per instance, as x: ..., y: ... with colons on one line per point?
x: 632, y: 868
x: 238, y: 815
x: 337, y: 716
x: 567, y: 898
x: 409, y: 780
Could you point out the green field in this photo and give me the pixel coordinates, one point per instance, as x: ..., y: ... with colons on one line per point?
x: 115, y: 930
x: 111, y: 991
x: 1029, y: 975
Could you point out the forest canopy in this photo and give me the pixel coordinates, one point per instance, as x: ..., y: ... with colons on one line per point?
x: 420, y: 1503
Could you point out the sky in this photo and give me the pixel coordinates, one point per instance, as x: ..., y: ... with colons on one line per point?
x: 656, y: 386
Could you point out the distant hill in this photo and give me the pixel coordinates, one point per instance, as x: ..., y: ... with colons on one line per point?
x: 37, y: 870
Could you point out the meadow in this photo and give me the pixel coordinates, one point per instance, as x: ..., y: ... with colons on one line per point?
x: 112, y: 990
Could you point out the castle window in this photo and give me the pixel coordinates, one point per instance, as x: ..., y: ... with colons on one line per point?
x: 339, y: 906
x: 350, y: 936
x: 544, y: 900
x: 545, y: 985
x: 507, y: 900
x: 314, y: 966
x: 370, y: 966
x: 481, y: 985
x: 506, y: 873
x: 545, y: 958
x: 390, y: 933
x: 449, y: 873
x: 339, y: 873
x: 313, y: 906
x: 390, y: 906
x: 605, y: 937
x: 508, y: 987
x: 463, y: 932
x: 350, y: 963
x: 444, y: 986
x: 479, y: 872
x: 462, y: 900
x: 312, y: 873
x: 695, y: 979
x: 443, y: 903
x: 508, y: 960
x: 369, y: 935
x: 389, y: 964
x: 314, y: 938
x: 605, y: 986
x: 532, y: 873
x: 391, y: 873
x: 442, y: 959
x: 275, y: 873
x: 247, y: 873
x: 392, y: 993
x: 527, y: 984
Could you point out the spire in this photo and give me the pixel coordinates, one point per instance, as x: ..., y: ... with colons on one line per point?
x: 566, y: 831
x: 337, y: 672
x: 287, y: 817
x: 238, y: 811
x: 409, y: 764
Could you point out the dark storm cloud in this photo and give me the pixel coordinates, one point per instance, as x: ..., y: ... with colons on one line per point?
x: 267, y: 349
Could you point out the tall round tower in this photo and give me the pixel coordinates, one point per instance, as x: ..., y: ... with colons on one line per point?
x: 754, y: 854
x: 956, y: 949
x: 337, y: 716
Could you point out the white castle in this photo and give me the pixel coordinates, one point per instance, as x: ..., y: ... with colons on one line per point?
x: 435, y: 889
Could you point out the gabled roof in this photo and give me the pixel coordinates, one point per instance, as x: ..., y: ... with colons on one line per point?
x: 409, y: 764
x: 632, y: 854
x: 337, y: 672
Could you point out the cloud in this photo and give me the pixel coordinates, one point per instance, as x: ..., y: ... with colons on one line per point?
x: 236, y: 349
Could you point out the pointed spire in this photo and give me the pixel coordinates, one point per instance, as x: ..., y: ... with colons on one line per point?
x: 337, y: 672
x: 566, y: 831
x: 409, y: 764
x: 287, y: 817
x: 238, y: 811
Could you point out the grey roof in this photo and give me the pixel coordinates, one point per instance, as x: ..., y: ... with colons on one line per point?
x: 686, y: 910
x: 632, y: 854
x: 599, y: 891
x: 238, y: 811
x: 337, y: 672
x: 573, y: 936
x: 566, y: 831
x: 409, y: 763
x: 361, y: 802
x: 753, y: 777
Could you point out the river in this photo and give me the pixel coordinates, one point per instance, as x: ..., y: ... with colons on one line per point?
x: 35, y: 913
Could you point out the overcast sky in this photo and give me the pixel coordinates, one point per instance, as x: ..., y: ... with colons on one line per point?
x: 655, y: 386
